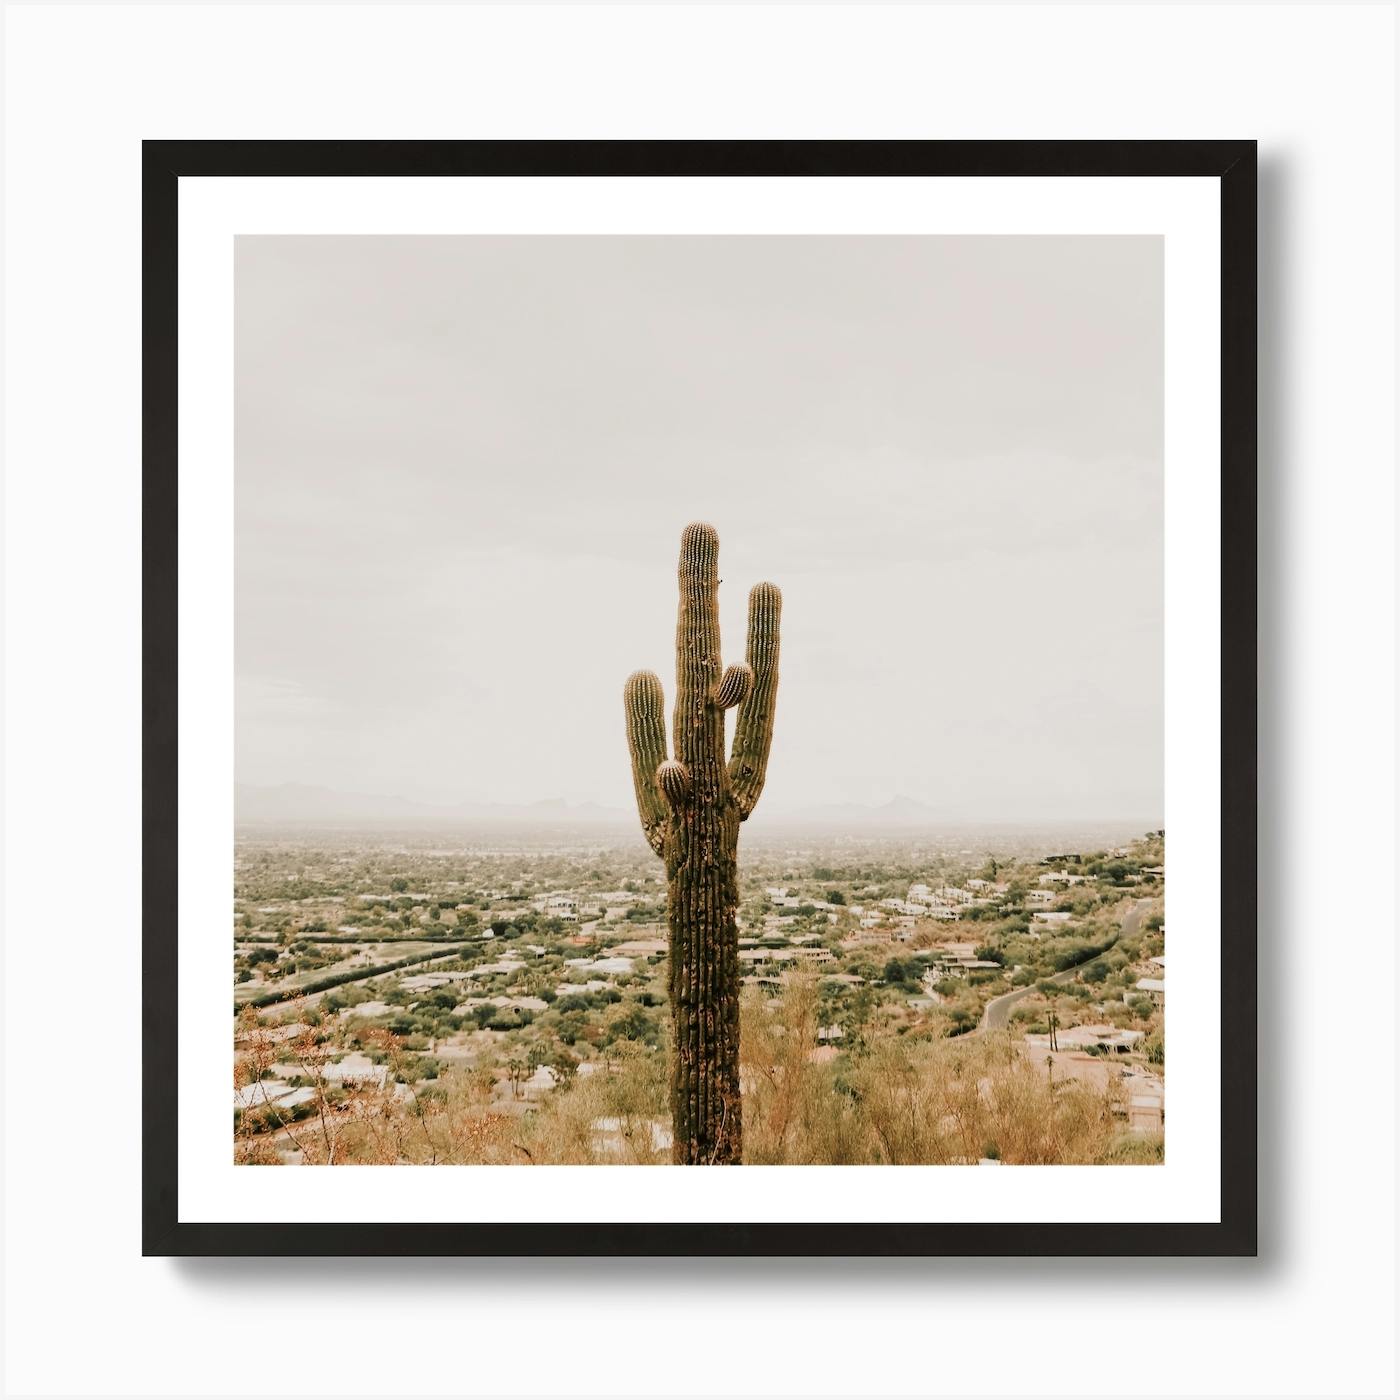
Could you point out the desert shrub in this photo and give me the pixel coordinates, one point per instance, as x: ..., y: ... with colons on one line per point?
x: 952, y: 1101
x: 631, y: 1097
x: 962, y: 1019
x: 1142, y: 1006
x: 794, y: 1110
x: 632, y: 1024
x: 1127, y: 1149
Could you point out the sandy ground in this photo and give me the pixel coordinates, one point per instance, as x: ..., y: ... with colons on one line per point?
x: 1098, y: 1070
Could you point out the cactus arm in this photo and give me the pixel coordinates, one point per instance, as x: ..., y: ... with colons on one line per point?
x: 733, y: 686
x: 646, y: 741
x: 753, y: 732
x: 673, y: 779
x: 698, y: 729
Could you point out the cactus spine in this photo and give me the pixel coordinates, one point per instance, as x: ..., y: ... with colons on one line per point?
x: 691, y: 806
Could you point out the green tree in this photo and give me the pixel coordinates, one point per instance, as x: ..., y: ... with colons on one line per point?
x: 631, y: 1023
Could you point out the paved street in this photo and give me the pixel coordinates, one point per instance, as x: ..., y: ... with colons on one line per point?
x: 998, y: 1010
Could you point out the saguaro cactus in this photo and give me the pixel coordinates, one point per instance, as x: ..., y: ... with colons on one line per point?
x: 691, y: 806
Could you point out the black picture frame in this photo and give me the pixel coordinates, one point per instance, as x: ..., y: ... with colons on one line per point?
x: 1233, y: 163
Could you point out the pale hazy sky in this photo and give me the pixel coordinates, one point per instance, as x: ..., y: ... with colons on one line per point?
x: 463, y: 466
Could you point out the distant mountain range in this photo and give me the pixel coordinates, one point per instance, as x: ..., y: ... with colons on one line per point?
x: 298, y: 804
x: 898, y: 811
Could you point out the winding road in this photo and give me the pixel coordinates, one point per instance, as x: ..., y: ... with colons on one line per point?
x: 997, y: 1011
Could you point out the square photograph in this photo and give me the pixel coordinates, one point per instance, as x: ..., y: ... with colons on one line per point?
x: 699, y: 700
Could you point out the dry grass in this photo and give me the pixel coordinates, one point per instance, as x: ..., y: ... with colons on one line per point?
x: 916, y: 1098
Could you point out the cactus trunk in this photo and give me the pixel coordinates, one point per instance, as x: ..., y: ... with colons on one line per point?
x: 690, y: 807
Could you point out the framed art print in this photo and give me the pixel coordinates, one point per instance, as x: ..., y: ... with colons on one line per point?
x: 683, y: 682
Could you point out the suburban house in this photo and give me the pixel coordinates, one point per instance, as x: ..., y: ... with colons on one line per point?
x: 638, y: 948
x: 1145, y: 1112
x: 1084, y: 1038
x: 903, y: 906
x: 957, y: 960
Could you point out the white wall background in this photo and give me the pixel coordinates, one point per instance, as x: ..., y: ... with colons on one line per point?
x: 86, y: 1315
